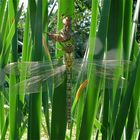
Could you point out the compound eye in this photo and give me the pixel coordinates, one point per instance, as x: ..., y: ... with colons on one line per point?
x: 64, y: 20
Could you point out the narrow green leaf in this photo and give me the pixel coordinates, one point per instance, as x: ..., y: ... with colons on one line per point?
x: 105, y: 114
x: 13, y: 98
x: 127, y: 27
x: 2, y: 9
x: 134, y: 106
x: 45, y: 14
x: 1, y: 112
x: 32, y: 11
x: 35, y: 100
x: 103, y: 30
x: 58, y: 124
x: 5, y: 127
x: 34, y: 120
x: 92, y: 92
x: 125, y: 105
x: 25, y: 53
x: 114, y: 41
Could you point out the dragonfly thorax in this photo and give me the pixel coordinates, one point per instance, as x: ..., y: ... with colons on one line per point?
x: 68, y: 58
x: 68, y: 48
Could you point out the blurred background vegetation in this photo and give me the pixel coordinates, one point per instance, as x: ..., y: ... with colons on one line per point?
x: 81, y: 24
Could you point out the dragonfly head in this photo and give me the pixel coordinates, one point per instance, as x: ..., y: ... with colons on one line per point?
x: 67, y: 21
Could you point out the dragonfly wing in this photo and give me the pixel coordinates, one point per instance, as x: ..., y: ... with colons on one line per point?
x: 103, y: 68
x: 34, y: 83
x: 106, y: 69
x: 32, y: 68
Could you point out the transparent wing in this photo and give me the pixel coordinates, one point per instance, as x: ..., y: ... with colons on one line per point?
x: 111, y: 70
x: 32, y: 68
x: 104, y: 67
x: 33, y: 74
x: 36, y: 73
x: 34, y: 83
x: 101, y: 67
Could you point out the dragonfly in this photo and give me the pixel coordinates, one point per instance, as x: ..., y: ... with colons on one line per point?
x: 38, y: 72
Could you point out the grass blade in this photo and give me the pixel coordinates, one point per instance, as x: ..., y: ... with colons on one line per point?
x: 125, y: 105
x: 58, y: 123
x: 35, y: 100
x: 92, y: 93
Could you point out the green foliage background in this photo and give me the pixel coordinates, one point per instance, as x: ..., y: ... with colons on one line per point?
x: 99, y: 27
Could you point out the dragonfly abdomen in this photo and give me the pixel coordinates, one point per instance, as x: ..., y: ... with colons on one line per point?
x: 68, y: 93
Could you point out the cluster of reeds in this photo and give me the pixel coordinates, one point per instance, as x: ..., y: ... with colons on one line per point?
x: 98, y: 112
